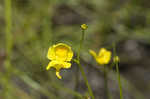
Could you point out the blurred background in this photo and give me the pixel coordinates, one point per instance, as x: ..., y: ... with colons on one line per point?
x: 38, y: 24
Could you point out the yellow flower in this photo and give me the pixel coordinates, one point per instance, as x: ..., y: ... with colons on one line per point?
x: 60, y: 56
x: 103, y: 56
x: 116, y: 59
x: 84, y: 26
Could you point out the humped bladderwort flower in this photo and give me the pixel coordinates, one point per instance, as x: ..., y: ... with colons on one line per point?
x: 103, y: 57
x: 60, y: 56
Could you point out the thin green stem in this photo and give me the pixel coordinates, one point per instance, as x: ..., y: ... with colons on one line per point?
x: 107, y: 94
x: 78, y: 58
x: 105, y: 83
x: 81, y: 68
x: 81, y: 43
x: 86, y: 81
x: 8, y: 28
x: 76, y: 80
x: 119, y: 80
x: 118, y: 74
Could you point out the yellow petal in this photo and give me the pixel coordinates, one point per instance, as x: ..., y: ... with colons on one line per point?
x: 55, y: 64
x: 93, y: 53
x: 70, y: 54
x: 51, y: 53
x: 102, y: 51
x: 60, y: 52
x: 49, y: 66
x: 66, y: 65
x: 58, y: 75
x: 104, y: 56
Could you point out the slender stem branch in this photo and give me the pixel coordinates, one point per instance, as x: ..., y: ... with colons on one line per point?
x: 119, y: 81
x: 81, y: 68
x: 105, y: 83
x: 76, y: 80
x: 81, y: 43
x: 8, y: 27
x: 118, y: 74
x: 9, y: 44
x: 86, y: 81
x: 107, y: 94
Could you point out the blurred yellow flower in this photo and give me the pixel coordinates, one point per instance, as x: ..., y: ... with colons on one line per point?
x: 84, y: 26
x: 103, y: 56
x: 60, y: 56
x: 116, y: 59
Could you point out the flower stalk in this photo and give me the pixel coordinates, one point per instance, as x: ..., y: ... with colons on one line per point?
x: 107, y: 94
x: 83, y: 27
x: 105, y: 83
x: 116, y: 60
x: 9, y: 44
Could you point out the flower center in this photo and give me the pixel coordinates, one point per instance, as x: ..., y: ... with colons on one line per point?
x: 61, y: 53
